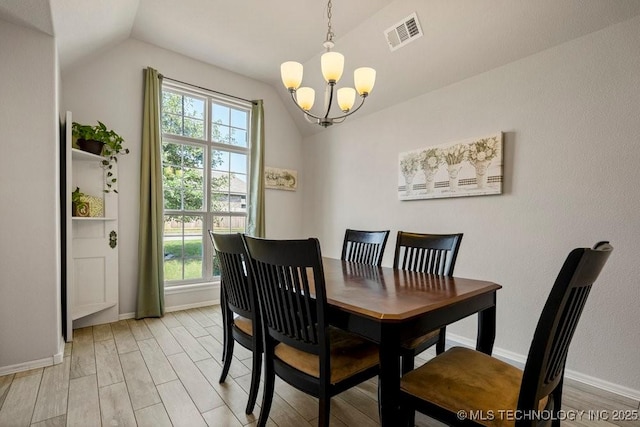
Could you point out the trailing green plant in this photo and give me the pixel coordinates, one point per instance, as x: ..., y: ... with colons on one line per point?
x: 113, y: 147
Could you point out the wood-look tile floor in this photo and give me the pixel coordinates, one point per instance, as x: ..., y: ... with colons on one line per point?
x: 163, y: 372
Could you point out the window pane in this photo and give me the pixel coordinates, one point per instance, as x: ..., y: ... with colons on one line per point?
x: 194, y: 107
x: 220, y: 133
x: 183, y: 115
x: 238, y: 163
x: 229, y: 224
x: 219, y: 202
x: 238, y: 137
x: 238, y: 193
x: 193, y: 156
x: 239, y: 119
x: 171, y: 103
x: 193, y: 189
x: 183, y: 186
x: 173, y: 266
x: 182, y: 247
x: 171, y: 154
x: 193, y: 247
x: 172, y: 187
x: 172, y: 123
x: 220, y: 114
x: 193, y: 128
x: 220, y: 160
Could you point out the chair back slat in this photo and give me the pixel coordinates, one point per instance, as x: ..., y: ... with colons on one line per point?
x: 548, y: 352
x: 364, y: 247
x: 289, y: 282
x: 564, y: 333
x: 427, y: 253
x: 231, y: 255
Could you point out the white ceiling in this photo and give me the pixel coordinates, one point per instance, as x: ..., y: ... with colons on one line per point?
x: 462, y: 38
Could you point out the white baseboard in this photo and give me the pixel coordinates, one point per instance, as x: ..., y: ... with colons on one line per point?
x: 34, y: 364
x: 124, y: 316
x: 59, y: 356
x: 519, y: 360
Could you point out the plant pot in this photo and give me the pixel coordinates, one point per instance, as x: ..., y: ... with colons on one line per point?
x: 453, y: 176
x: 91, y: 146
x: 482, y: 173
x: 80, y: 209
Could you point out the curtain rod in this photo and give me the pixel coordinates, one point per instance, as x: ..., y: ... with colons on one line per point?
x: 209, y: 90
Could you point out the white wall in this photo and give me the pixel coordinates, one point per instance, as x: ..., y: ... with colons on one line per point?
x: 110, y: 89
x: 572, y: 149
x: 30, y: 328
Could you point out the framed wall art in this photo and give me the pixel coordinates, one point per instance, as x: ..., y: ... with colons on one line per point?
x: 280, y: 179
x: 471, y: 167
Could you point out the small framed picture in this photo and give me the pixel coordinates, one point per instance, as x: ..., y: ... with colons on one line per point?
x: 280, y: 179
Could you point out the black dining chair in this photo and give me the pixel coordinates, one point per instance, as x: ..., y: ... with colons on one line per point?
x: 241, y: 320
x: 364, y: 247
x: 425, y: 253
x: 299, y: 345
x: 462, y: 382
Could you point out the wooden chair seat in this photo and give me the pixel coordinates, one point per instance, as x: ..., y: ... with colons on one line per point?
x: 350, y: 355
x: 416, y: 342
x: 244, y: 324
x: 468, y: 380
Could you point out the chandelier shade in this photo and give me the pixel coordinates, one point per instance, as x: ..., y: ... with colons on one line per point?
x: 332, y: 66
x: 306, y: 96
x: 291, y: 73
x: 346, y: 98
x: 364, y: 78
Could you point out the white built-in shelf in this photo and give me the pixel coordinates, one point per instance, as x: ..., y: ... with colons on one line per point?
x: 87, y: 309
x: 91, y: 259
x: 84, y: 155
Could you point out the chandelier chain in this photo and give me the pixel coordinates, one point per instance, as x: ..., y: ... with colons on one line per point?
x: 329, y: 29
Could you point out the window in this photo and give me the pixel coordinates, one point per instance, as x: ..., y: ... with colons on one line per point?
x: 205, y: 164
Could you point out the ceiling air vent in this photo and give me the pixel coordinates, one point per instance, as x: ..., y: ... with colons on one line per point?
x: 404, y: 32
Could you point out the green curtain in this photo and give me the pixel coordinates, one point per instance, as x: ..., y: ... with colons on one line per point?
x: 150, y: 301
x: 256, y: 225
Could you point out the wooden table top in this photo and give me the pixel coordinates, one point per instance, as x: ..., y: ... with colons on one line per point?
x: 388, y: 294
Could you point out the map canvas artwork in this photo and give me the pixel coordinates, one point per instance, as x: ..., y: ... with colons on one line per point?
x: 470, y: 167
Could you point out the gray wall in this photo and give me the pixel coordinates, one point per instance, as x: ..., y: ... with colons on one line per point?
x: 572, y: 150
x: 29, y: 212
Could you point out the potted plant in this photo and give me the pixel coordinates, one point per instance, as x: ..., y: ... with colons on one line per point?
x: 78, y: 206
x: 87, y: 138
x: 110, y: 147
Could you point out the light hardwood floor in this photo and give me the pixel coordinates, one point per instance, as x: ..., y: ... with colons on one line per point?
x: 163, y: 372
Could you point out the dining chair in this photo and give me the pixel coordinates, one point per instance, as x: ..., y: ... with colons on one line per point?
x: 241, y: 320
x: 364, y: 247
x: 425, y: 253
x: 461, y: 383
x: 299, y: 345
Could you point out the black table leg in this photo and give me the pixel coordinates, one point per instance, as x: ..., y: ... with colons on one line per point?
x: 389, y: 380
x: 486, y: 330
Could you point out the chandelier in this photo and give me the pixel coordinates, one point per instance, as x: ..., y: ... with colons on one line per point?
x: 332, y: 64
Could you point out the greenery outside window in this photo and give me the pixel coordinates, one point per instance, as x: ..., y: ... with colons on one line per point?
x: 205, y: 164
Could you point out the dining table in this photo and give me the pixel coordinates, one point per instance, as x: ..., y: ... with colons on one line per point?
x: 390, y: 306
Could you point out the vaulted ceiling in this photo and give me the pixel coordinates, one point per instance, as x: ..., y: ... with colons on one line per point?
x: 462, y: 38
